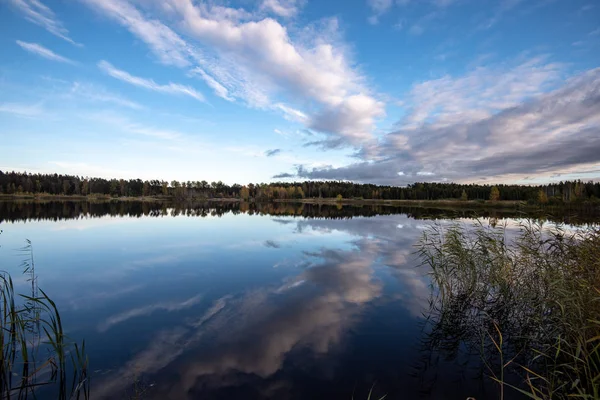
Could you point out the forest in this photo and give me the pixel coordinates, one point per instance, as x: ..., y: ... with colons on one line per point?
x: 23, y: 183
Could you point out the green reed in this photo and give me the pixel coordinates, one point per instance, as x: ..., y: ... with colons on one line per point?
x: 529, y: 305
x: 35, y: 352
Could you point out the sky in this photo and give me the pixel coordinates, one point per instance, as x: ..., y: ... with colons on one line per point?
x: 379, y: 91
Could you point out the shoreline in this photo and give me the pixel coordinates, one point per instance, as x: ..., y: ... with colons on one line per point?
x: 446, y: 203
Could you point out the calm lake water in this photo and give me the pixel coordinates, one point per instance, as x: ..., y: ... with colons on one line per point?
x: 230, y: 302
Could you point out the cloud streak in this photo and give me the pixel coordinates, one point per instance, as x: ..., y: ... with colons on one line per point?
x: 273, y: 152
x: 219, y: 90
x: 126, y: 125
x: 39, y: 50
x: 147, y: 310
x: 281, y: 8
x: 21, y: 110
x: 272, y: 244
x: 38, y: 13
x: 170, y: 88
x: 99, y: 94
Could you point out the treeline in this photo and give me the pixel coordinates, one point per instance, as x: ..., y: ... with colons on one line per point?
x: 24, y: 211
x: 56, y: 184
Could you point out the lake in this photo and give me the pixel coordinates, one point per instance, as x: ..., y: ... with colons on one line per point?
x: 231, y: 301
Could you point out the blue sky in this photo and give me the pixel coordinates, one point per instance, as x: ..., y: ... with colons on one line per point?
x: 382, y: 91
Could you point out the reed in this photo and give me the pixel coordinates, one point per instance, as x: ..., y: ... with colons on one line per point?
x: 529, y: 305
x: 36, y: 354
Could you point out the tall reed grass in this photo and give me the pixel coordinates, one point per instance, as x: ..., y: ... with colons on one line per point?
x: 530, y: 304
x: 36, y: 355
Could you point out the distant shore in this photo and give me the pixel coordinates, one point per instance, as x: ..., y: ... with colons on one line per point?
x: 447, y: 203
x: 415, y: 203
x: 76, y: 197
x: 105, y: 198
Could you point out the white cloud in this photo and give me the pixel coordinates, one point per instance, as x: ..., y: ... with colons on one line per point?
x: 282, y: 8
x: 147, y: 310
x: 125, y: 124
x: 38, y: 13
x: 171, y: 88
x: 354, y: 118
x: 256, y: 60
x: 379, y: 7
x: 416, y: 30
x: 447, y: 100
x: 21, y: 110
x: 504, y: 7
x: 219, y: 89
x: 444, y: 3
x: 165, y: 44
x: 152, y: 132
x: 503, y: 123
x: 99, y: 94
x: 291, y: 114
x: 42, y: 51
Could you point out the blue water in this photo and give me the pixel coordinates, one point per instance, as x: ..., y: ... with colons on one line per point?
x: 244, y: 306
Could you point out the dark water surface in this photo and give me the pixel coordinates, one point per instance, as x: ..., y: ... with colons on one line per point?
x: 245, y: 302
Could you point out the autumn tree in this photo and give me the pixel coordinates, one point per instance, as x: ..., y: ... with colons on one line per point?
x: 464, y: 196
x: 542, y: 197
x: 291, y: 192
x: 494, y: 194
x: 244, y: 193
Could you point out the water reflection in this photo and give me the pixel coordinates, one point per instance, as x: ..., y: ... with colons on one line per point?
x: 250, y: 336
x: 15, y: 211
x: 292, y: 339
x: 251, y: 301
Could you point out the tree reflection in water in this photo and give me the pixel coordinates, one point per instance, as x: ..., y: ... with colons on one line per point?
x: 16, y: 211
